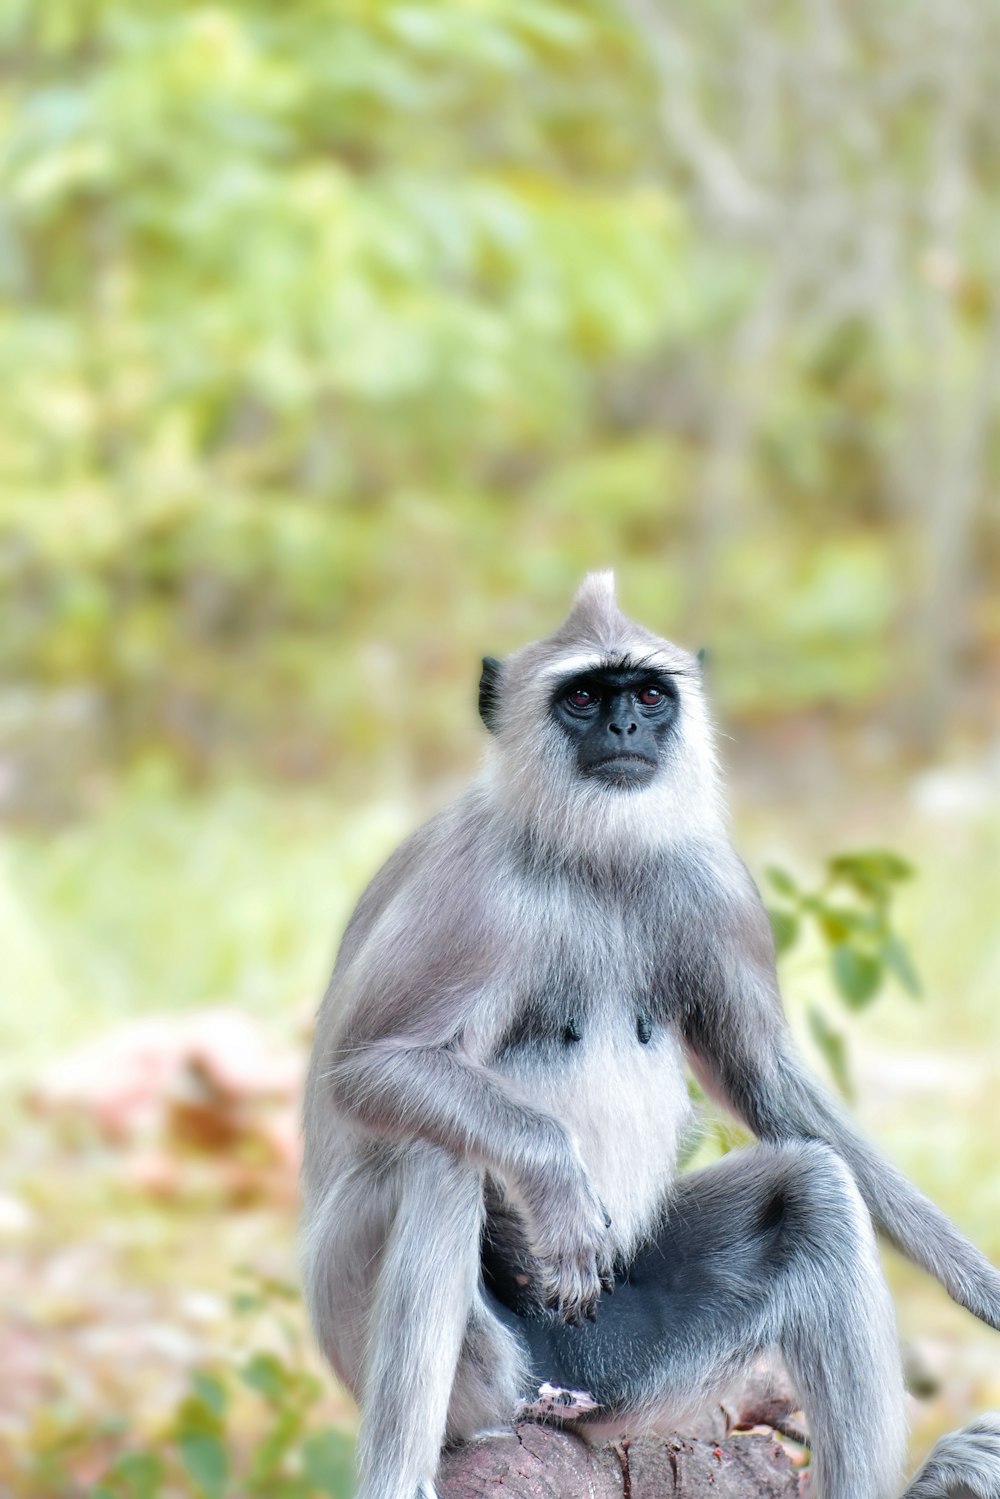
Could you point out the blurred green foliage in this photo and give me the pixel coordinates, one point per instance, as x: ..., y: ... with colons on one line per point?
x: 215, y: 1442
x: 170, y: 901
x: 341, y: 336
x: 851, y: 912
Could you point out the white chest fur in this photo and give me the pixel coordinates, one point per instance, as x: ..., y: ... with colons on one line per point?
x: 626, y: 1105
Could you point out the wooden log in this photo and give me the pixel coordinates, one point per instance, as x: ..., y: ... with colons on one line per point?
x: 537, y: 1462
x: 729, y: 1450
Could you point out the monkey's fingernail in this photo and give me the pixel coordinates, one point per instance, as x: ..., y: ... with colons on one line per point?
x: 607, y: 1218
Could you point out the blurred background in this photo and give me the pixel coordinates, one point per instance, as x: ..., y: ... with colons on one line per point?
x: 339, y: 338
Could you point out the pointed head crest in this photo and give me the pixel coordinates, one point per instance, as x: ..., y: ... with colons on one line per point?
x: 595, y: 622
x: 595, y: 610
x: 595, y: 630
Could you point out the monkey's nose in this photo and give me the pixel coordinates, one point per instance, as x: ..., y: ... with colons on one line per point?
x: 617, y: 728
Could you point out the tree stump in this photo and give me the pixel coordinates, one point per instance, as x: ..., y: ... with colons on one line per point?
x: 733, y: 1454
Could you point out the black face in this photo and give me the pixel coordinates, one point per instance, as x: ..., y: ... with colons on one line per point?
x: 618, y: 719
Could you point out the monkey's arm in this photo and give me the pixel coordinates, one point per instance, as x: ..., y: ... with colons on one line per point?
x: 434, y: 1093
x: 400, y: 1088
x: 739, y: 1046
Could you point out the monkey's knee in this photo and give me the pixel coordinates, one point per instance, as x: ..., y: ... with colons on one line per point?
x: 815, y: 1201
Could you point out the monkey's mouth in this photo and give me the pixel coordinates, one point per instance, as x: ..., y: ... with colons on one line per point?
x: 623, y: 770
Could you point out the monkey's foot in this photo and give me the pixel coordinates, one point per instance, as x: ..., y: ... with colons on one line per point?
x: 553, y: 1400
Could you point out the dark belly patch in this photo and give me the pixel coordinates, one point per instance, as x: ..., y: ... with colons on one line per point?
x: 535, y: 1028
x: 540, y: 1027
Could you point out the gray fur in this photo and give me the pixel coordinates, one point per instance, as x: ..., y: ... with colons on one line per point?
x: 964, y: 1464
x: 809, y: 1286
x: 505, y: 1033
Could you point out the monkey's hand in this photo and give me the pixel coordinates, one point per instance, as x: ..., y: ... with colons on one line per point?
x: 569, y: 1238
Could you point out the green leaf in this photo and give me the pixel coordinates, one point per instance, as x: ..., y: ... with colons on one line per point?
x: 856, y: 975
x: 328, y: 1463
x: 195, y: 1417
x: 268, y: 1376
x: 871, y: 872
x: 308, y: 1387
x: 896, y: 957
x: 207, y: 1463
x: 838, y: 925
x: 782, y: 882
x: 270, y: 1453
x: 141, y: 1472
x: 211, y: 1392
x: 784, y: 929
x: 833, y: 1047
x: 285, y: 1290
x: 286, y: 1487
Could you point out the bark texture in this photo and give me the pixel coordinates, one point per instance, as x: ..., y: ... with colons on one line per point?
x: 536, y: 1462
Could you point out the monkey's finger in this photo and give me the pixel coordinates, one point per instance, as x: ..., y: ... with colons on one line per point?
x: 606, y: 1272
x: 563, y: 1297
x: 551, y: 1296
x: 592, y: 1300
x: 578, y: 1292
x: 572, y: 1316
x: 607, y: 1216
x: 585, y: 1309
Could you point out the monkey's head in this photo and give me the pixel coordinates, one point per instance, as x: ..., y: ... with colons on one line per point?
x: 600, y: 732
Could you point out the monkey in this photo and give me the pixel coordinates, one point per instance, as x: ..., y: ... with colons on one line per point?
x: 494, y: 1224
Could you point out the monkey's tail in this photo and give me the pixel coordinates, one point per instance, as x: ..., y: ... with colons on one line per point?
x: 965, y: 1462
x: 908, y: 1219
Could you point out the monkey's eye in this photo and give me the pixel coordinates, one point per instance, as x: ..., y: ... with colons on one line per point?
x: 651, y: 697
x: 580, y: 698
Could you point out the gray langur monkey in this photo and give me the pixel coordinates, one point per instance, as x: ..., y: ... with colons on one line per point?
x: 497, y: 1095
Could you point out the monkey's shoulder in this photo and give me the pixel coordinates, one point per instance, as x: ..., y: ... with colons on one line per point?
x: 705, y: 902
x: 433, y: 877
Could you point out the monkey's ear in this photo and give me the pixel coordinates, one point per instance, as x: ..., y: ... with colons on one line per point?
x: 489, y: 693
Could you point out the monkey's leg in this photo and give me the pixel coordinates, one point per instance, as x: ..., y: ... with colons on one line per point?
x: 425, y: 1287
x: 771, y: 1247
